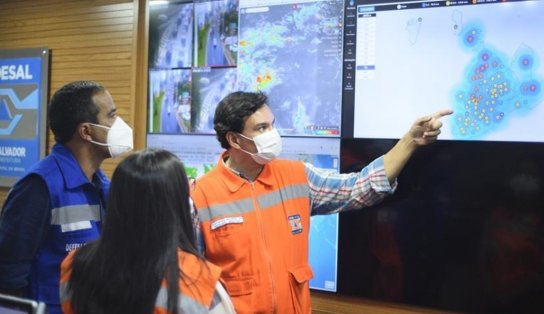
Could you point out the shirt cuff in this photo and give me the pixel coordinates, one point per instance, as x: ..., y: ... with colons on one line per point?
x: 378, y: 179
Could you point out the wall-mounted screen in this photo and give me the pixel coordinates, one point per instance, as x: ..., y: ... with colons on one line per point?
x: 480, y: 58
x: 272, y: 46
x: 170, y: 35
x: 200, y: 154
x: 463, y: 233
x: 216, y: 30
x: 169, y: 101
x: 282, y: 44
x: 210, y: 85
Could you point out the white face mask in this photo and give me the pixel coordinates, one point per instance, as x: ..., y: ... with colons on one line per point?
x: 268, y: 146
x: 119, y: 138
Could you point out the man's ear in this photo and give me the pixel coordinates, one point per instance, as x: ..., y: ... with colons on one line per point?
x: 84, y: 131
x: 232, y: 139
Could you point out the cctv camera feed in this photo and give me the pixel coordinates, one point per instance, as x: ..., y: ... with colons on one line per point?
x: 216, y: 33
x: 200, y: 154
x: 169, y: 101
x: 170, y: 35
x: 210, y: 85
x: 483, y: 59
x: 281, y: 45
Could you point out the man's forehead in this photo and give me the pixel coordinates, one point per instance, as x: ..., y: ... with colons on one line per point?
x: 263, y: 115
x: 104, y: 102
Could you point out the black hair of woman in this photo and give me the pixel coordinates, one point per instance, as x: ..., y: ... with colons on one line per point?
x: 148, y: 220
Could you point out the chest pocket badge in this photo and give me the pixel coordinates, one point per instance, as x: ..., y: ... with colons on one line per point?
x: 296, y: 224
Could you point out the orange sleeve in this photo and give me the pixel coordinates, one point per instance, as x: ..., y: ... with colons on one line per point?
x: 65, y: 272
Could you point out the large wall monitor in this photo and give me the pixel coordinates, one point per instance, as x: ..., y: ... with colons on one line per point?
x: 292, y: 50
x: 200, y: 154
x: 483, y: 59
x: 273, y: 46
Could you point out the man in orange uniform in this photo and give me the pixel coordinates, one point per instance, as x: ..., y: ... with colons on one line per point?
x: 254, y: 210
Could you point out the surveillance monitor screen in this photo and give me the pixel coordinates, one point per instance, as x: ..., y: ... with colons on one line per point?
x: 210, y: 85
x: 170, y: 35
x: 169, y: 101
x: 483, y: 59
x: 216, y: 33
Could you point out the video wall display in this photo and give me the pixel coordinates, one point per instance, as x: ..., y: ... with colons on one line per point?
x: 463, y: 230
x: 483, y: 59
x: 200, y: 154
x: 249, y: 45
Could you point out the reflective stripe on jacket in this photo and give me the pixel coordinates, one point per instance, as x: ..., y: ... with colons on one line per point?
x: 258, y: 234
x: 197, y: 285
x: 75, y: 205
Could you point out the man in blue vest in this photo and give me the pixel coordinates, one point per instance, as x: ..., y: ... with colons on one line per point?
x: 59, y: 204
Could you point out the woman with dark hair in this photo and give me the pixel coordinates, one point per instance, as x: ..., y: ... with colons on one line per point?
x: 146, y: 260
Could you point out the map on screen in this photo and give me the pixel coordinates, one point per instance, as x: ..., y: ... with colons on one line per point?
x: 480, y: 58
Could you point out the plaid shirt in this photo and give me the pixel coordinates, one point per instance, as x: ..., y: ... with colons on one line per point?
x: 332, y: 192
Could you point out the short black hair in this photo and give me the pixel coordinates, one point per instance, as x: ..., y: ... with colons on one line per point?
x: 232, y: 112
x: 71, y: 105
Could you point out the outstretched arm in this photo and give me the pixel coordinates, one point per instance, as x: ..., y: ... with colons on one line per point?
x: 424, y: 131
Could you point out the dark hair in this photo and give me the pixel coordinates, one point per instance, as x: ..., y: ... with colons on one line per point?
x: 232, y: 112
x: 71, y: 105
x: 148, y: 219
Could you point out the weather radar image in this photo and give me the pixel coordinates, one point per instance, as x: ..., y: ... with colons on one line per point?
x: 281, y: 45
x: 480, y: 58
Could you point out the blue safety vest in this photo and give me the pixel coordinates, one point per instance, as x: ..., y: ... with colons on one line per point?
x: 77, y: 207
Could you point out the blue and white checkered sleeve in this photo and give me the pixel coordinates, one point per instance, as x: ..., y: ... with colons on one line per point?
x: 331, y: 192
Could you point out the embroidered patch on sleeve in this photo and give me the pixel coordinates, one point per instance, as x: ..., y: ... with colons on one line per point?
x: 296, y: 224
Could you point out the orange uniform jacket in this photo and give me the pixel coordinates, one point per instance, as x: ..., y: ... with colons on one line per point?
x: 196, y: 291
x: 258, y: 234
